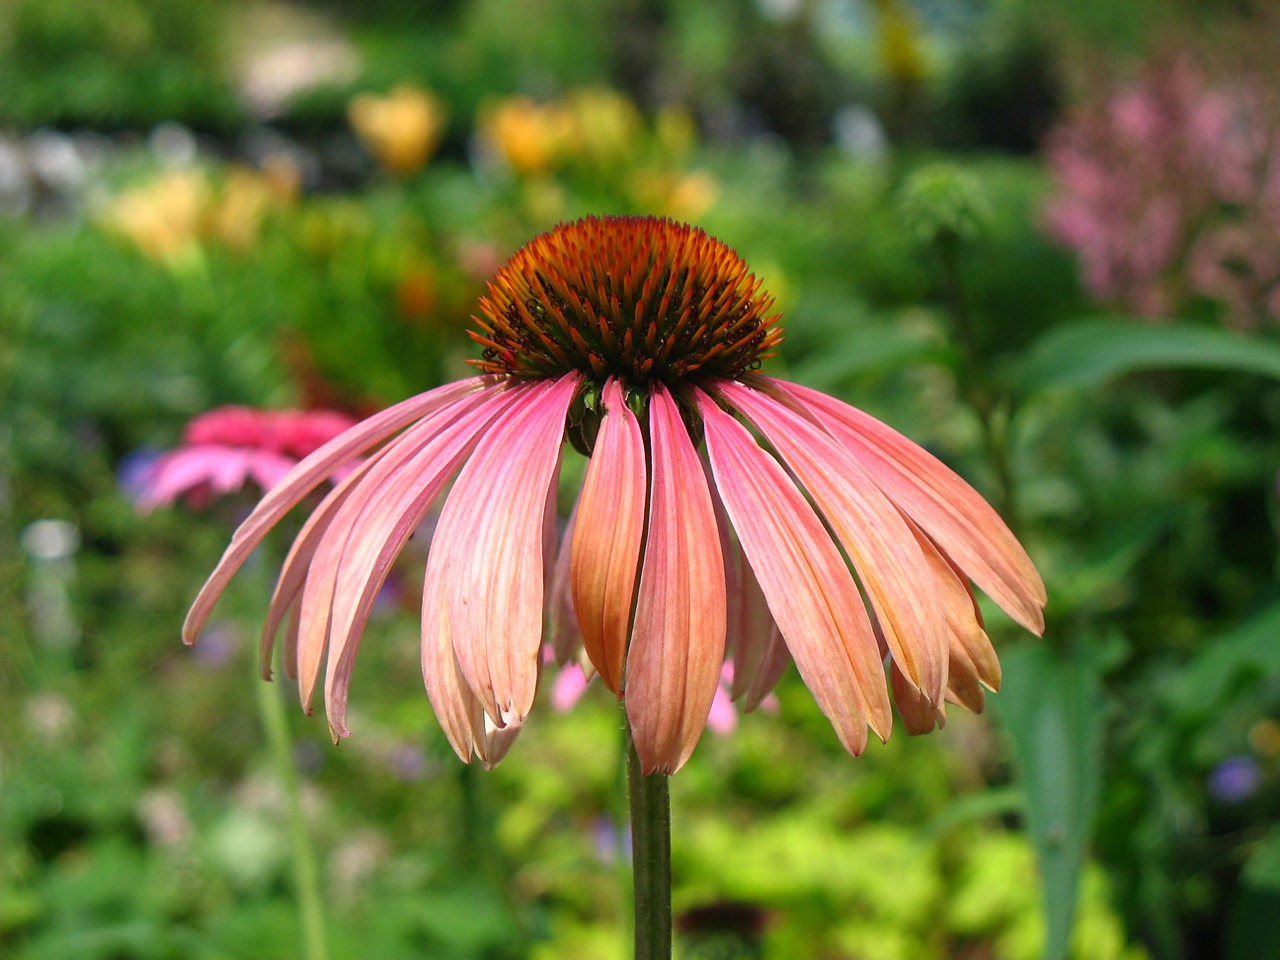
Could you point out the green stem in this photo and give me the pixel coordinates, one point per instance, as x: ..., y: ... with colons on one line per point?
x: 993, y: 415
x: 479, y: 848
x: 650, y: 858
x: 306, y: 875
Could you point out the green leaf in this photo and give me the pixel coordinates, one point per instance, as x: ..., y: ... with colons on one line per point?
x: 1247, y: 651
x: 1050, y: 706
x: 1253, y: 924
x: 1091, y: 352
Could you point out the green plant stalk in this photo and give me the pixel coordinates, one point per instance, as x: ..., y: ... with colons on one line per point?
x: 650, y: 858
x: 478, y: 846
x: 993, y: 415
x: 306, y: 874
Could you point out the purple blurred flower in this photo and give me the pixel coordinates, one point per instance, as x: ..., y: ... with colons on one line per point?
x: 1235, y: 779
x: 217, y: 645
x: 136, y: 469
x: 408, y: 762
x: 608, y: 836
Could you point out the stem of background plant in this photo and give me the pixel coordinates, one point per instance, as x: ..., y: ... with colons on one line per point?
x: 994, y: 414
x: 479, y: 846
x: 306, y: 875
x: 650, y: 858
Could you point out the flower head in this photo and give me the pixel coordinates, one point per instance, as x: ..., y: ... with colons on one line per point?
x: 227, y: 448
x: 716, y: 514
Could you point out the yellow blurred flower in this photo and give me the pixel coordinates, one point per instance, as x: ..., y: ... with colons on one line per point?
x: 163, y: 218
x: 246, y: 199
x: 675, y: 130
x: 680, y: 196
x: 530, y: 137
x: 172, y: 217
x: 901, y: 49
x: 401, y: 129
x: 605, y: 126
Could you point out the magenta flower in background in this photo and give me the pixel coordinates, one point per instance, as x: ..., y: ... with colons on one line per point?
x: 1169, y: 188
x: 572, y: 682
x: 227, y: 448
x: 636, y: 340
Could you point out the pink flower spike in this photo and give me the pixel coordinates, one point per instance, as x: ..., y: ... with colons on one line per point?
x: 949, y: 510
x: 811, y: 594
x: 305, y: 477
x: 723, y: 718
x: 489, y: 545
x: 571, y: 683
x: 677, y: 641
x: 607, y: 538
x: 885, y: 554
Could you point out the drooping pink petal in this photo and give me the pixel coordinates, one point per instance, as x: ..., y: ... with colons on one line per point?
x: 756, y: 648
x: 371, y: 531
x: 773, y: 663
x: 677, y: 640
x: 919, y: 716
x: 293, y: 574
x: 748, y: 624
x: 972, y: 660
x: 945, y: 506
x: 488, y: 549
x: 305, y: 477
x: 456, y: 707
x: 607, y: 538
x: 884, y: 552
x: 317, y: 556
x: 810, y: 591
x: 562, y: 619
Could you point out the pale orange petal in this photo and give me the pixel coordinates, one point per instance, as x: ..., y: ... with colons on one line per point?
x: 919, y: 716
x: 883, y: 550
x: 489, y: 545
x: 371, y: 530
x: 810, y: 591
x: 677, y: 641
x: 312, y: 471
x: 607, y: 537
x: 945, y: 506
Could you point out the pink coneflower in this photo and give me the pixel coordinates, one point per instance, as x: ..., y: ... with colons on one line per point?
x: 227, y: 448
x: 716, y: 514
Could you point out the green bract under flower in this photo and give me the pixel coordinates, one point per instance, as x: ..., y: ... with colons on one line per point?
x: 638, y: 298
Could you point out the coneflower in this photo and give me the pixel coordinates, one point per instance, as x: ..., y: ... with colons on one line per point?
x: 717, y: 511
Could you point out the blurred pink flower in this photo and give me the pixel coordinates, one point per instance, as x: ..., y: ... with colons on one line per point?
x: 572, y: 681
x: 227, y: 448
x: 1170, y: 189
x: 636, y: 340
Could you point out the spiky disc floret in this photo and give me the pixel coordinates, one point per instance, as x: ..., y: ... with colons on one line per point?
x: 639, y: 298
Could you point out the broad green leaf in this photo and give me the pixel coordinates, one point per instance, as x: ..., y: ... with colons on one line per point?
x: 1050, y: 706
x: 1249, y: 650
x: 1253, y: 924
x: 1091, y: 352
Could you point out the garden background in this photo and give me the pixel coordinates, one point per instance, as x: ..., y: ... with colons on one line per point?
x: 1041, y: 237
